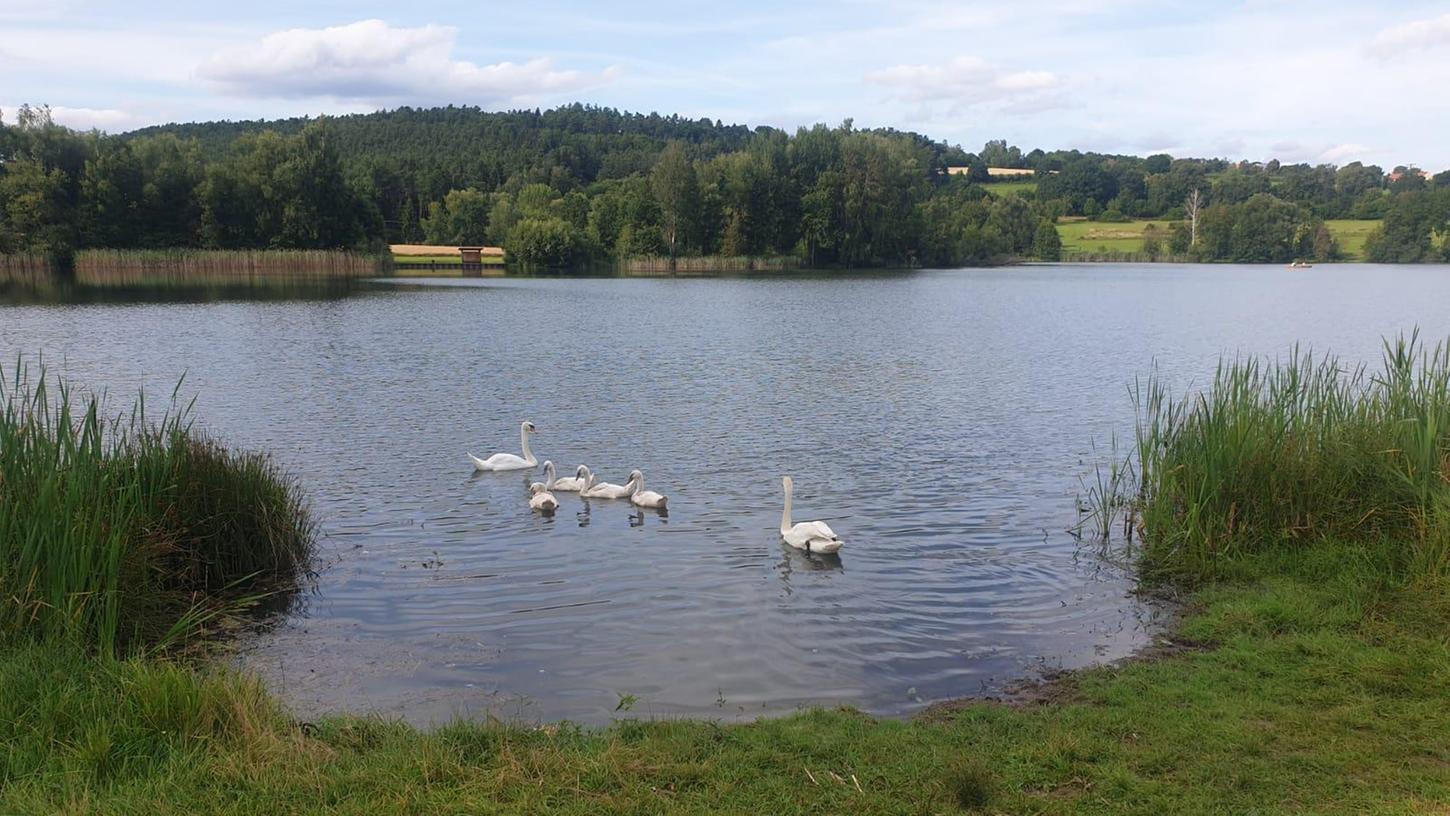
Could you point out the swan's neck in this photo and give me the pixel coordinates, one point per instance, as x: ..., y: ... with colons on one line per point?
x: 785, y: 514
x: 524, y: 442
x: 548, y: 472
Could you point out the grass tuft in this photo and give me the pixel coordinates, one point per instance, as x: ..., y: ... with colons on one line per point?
x: 1284, y: 455
x: 971, y: 784
x: 121, y: 533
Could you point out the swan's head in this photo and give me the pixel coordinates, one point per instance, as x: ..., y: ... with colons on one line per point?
x: 636, y: 476
x: 529, y: 427
x: 786, y: 482
x: 535, y: 488
x: 548, y: 464
x: 581, y: 471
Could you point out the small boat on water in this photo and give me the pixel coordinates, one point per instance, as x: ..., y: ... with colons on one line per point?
x: 1301, y: 265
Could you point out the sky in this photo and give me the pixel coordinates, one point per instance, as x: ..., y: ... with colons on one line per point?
x: 1324, y: 81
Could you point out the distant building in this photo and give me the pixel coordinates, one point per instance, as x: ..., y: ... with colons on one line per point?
x: 1397, y: 174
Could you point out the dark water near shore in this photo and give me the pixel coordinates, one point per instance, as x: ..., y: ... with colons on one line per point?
x: 939, y: 420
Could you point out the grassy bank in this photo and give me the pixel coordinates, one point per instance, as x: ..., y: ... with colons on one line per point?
x: 1298, y: 506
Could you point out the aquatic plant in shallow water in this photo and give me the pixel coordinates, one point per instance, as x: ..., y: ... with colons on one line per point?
x: 1295, y: 452
x: 120, y: 532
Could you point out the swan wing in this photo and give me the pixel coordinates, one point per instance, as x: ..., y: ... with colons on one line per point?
x: 819, y: 530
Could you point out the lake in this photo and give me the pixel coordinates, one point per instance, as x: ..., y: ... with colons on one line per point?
x: 939, y: 420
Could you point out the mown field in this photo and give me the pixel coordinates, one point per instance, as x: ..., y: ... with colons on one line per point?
x: 1351, y: 235
x: 1004, y: 188
x: 1081, y: 235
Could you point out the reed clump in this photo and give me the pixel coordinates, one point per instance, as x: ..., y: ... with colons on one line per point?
x: 122, y: 533
x: 193, y: 267
x: 27, y: 270
x: 1292, y: 454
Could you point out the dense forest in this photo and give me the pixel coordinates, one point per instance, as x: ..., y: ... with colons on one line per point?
x: 582, y: 184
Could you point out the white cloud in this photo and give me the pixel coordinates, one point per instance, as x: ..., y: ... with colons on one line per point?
x: 1341, y: 153
x: 374, y: 62
x: 967, y: 81
x: 1411, y: 36
x: 107, y: 119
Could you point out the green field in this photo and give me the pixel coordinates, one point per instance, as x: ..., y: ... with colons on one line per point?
x: 1351, y: 235
x: 1095, y: 236
x: 1006, y: 188
x: 453, y: 260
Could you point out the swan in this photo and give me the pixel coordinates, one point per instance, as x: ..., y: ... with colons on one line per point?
x: 568, y: 484
x: 642, y: 497
x: 811, y: 536
x: 605, y: 490
x: 541, y: 499
x: 508, y: 461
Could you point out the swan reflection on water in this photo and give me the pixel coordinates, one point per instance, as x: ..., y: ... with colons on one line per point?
x: 636, y: 519
x: 794, y: 560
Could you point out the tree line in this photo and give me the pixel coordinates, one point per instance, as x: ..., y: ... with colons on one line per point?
x: 581, y: 184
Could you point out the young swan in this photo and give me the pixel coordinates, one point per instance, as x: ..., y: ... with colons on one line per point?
x: 642, y: 497
x: 508, y: 461
x: 811, y: 536
x: 568, y: 484
x: 606, y: 490
x: 541, y: 499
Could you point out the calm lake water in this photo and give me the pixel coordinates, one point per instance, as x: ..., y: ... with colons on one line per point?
x: 940, y: 420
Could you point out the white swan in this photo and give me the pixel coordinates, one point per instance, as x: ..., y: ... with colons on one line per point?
x: 541, y: 499
x: 644, y: 498
x: 508, y: 461
x: 568, y: 484
x: 606, y: 490
x: 811, y: 536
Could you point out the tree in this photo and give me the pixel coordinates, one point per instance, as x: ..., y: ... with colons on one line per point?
x: 1192, y: 207
x: 1046, y: 242
x: 551, y: 243
x: 675, y: 188
x: 460, y: 219
x: 1152, y: 243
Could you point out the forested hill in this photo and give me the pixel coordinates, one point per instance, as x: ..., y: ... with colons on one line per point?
x: 476, y: 147
x: 581, y: 184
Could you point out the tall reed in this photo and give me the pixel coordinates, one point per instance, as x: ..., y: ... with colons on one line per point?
x: 191, y: 267
x: 118, y: 531
x: 1295, y: 452
x: 28, y: 270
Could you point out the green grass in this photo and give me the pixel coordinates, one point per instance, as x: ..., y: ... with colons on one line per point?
x: 1299, y: 506
x: 453, y: 260
x: 1006, y: 188
x: 120, y: 531
x: 1351, y: 235
x: 1101, y: 236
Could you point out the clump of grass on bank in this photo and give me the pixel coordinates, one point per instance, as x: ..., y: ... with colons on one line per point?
x: 118, y: 531
x: 1288, y: 455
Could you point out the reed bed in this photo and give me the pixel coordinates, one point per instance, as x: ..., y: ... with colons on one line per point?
x: 28, y: 270
x: 121, y: 533
x: 707, y: 264
x: 1290, y: 454
x: 184, y: 267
